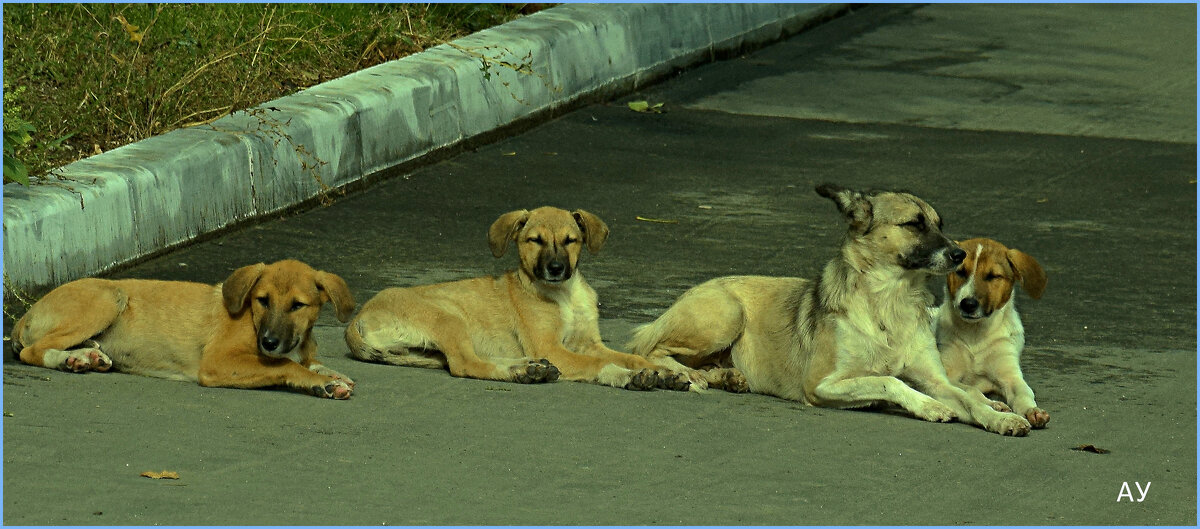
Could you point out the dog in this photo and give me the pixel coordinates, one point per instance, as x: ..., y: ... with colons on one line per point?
x: 530, y: 325
x: 253, y: 330
x: 847, y: 339
x: 978, y: 331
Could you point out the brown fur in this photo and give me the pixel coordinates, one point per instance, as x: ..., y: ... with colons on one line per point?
x: 529, y: 325
x: 979, y: 332
x: 214, y: 335
x: 859, y: 335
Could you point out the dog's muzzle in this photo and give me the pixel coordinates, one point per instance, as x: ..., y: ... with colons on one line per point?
x: 970, y: 309
x: 555, y: 270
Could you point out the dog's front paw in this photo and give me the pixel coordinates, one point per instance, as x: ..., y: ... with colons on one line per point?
x: 1010, y: 424
x: 320, y: 369
x: 934, y: 411
x: 334, y: 389
x: 537, y: 371
x: 1000, y: 406
x: 89, y: 359
x: 1037, y: 417
x: 673, y: 381
x: 645, y: 379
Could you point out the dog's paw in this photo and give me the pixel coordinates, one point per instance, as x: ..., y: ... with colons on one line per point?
x: 645, y: 379
x: 934, y: 411
x: 334, y: 389
x: 1037, y: 417
x: 320, y: 369
x: 733, y: 381
x: 1010, y: 424
x: 1000, y: 406
x: 673, y: 381
x: 536, y: 371
x: 89, y: 359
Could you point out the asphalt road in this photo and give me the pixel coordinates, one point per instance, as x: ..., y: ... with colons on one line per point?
x: 1065, y: 131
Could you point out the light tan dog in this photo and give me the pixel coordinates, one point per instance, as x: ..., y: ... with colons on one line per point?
x: 851, y: 338
x: 252, y: 331
x: 529, y: 325
x: 979, y: 332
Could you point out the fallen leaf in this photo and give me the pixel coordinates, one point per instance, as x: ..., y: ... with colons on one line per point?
x: 645, y: 107
x: 508, y: 154
x: 702, y: 206
x: 166, y: 474
x: 1090, y: 448
x: 661, y: 221
x: 1042, y: 200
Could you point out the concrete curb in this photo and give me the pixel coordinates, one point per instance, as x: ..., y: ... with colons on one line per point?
x: 141, y: 199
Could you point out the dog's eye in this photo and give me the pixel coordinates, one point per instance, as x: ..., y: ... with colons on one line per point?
x: 917, y: 223
x: 570, y: 240
x: 264, y: 300
x: 534, y: 240
x: 962, y: 272
x: 298, y: 305
x: 991, y: 277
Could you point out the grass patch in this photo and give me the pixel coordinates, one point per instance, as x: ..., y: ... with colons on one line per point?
x: 92, y: 77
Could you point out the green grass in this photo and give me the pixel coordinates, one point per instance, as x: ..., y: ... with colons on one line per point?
x: 92, y: 77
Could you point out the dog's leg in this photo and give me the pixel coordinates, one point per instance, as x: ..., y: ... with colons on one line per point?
x: 969, y: 407
x: 860, y: 392
x: 667, y: 376
x: 231, y: 368
x: 704, y: 321
x: 1006, y: 374
x: 66, y: 318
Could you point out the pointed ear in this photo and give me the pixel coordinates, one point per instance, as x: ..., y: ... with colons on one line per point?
x: 1029, y: 271
x: 853, y: 205
x: 237, y: 287
x: 505, y: 229
x: 595, y: 231
x: 334, y: 289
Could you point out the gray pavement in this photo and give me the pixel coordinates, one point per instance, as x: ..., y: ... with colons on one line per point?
x: 1065, y: 131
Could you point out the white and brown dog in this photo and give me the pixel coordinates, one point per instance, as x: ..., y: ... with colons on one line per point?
x: 979, y: 333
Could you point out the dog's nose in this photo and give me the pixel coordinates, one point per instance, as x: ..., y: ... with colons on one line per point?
x: 969, y: 305
x: 957, y: 255
x: 555, y: 268
x: 268, y: 343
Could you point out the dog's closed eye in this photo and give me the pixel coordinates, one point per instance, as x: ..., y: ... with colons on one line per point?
x: 263, y: 300
x: 298, y: 305
x: 917, y: 223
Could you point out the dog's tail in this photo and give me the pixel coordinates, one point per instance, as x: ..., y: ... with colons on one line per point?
x: 646, y: 337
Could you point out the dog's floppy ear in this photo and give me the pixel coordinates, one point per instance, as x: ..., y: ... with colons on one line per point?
x: 595, y: 231
x: 852, y: 204
x: 505, y: 229
x: 333, y: 289
x: 237, y: 287
x: 1029, y: 271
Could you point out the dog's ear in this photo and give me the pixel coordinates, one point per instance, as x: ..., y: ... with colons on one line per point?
x: 237, y: 287
x: 853, y: 205
x: 505, y: 229
x: 595, y: 231
x: 1029, y: 272
x: 333, y: 289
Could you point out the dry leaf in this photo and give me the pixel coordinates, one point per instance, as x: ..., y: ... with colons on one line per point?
x: 1090, y: 448
x: 508, y: 153
x: 661, y: 221
x: 645, y: 108
x: 166, y: 474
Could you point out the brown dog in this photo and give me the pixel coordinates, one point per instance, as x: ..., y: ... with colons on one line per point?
x: 528, y: 325
x: 252, y: 331
x: 979, y: 333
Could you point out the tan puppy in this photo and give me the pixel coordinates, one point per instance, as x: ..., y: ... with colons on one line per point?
x: 978, y: 330
x: 851, y: 338
x: 529, y: 325
x: 252, y: 331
